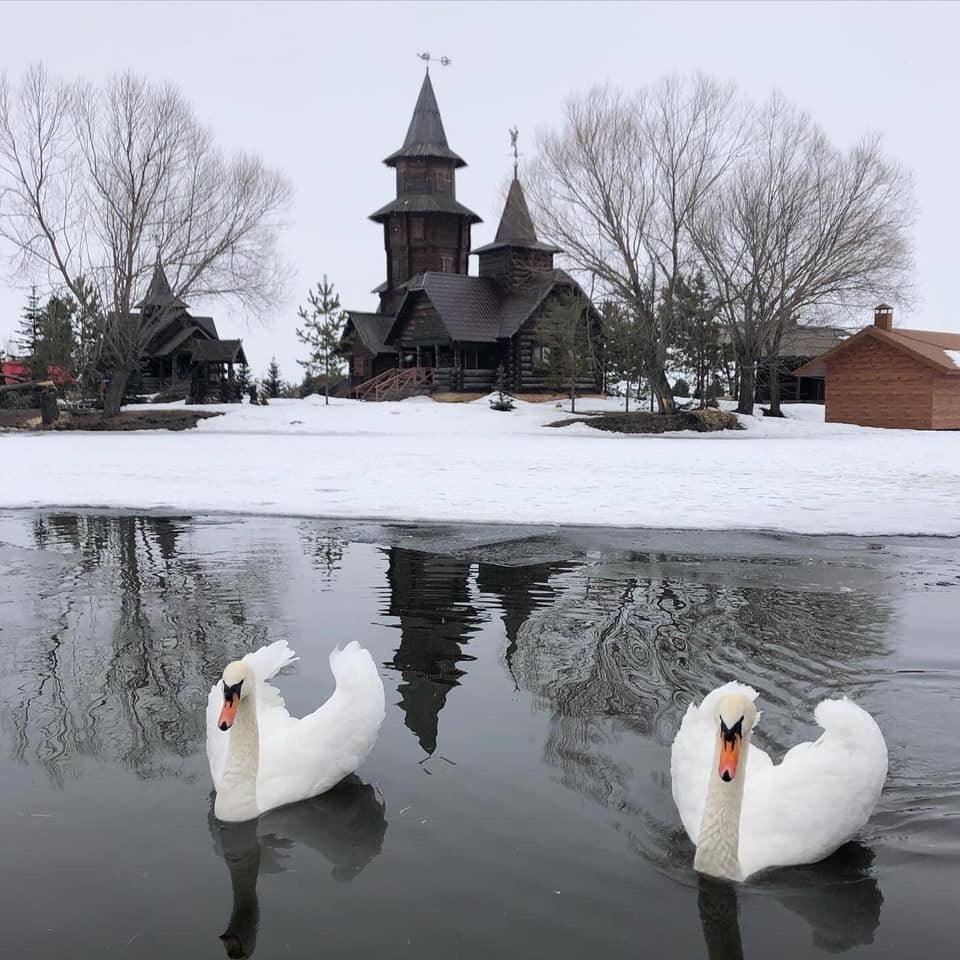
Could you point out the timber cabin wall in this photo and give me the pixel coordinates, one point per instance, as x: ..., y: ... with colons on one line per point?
x: 946, y: 403
x: 875, y: 385
x: 524, y: 375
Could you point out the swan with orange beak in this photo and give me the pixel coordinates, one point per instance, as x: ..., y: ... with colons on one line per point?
x: 744, y: 813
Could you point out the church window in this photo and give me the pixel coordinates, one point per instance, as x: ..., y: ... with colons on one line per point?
x: 446, y: 264
x: 416, y: 228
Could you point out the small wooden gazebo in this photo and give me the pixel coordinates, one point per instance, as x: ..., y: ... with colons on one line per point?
x: 213, y: 375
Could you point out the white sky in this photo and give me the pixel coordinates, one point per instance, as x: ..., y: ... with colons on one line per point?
x: 325, y: 91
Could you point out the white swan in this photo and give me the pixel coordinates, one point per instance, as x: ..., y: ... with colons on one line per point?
x: 744, y: 813
x: 260, y: 757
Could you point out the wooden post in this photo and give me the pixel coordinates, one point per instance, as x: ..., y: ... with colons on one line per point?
x: 49, y: 410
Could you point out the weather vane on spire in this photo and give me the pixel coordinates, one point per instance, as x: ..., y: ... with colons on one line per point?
x: 426, y: 58
x: 514, y: 133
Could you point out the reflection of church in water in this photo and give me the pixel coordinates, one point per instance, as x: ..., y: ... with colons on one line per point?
x: 441, y: 603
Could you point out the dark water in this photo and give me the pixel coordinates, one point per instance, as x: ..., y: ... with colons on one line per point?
x: 518, y: 800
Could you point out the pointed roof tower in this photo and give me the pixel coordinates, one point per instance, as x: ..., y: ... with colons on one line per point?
x: 516, y: 225
x: 159, y: 293
x: 425, y: 135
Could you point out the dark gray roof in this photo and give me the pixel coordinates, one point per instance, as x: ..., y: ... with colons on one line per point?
x: 159, y: 293
x: 371, y: 329
x: 427, y: 203
x: 516, y: 225
x: 178, y: 339
x: 802, y: 340
x: 206, y: 324
x: 425, y: 135
x: 478, y: 309
x: 219, y: 351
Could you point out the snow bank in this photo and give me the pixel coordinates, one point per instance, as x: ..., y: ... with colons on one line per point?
x: 420, y: 460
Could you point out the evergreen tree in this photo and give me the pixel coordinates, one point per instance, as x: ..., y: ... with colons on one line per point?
x: 243, y: 380
x: 27, y: 337
x: 322, y: 327
x: 565, y: 340
x: 56, y: 346
x: 88, y: 327
x: 622, y: 337
x: 272, y: 384
x: 698, y: 348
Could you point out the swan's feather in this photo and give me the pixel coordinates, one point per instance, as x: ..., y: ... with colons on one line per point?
x: 301, y: 758
x: 799, y: 810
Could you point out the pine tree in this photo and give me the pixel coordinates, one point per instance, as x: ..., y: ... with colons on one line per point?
x: 27, y: 337
x: 622, y: 336
x: 322, y: 327
x: 88, y: 327
x: 565, y: 342
x: 698, y: 347
x: 56, y: 346
x: 272, y: 384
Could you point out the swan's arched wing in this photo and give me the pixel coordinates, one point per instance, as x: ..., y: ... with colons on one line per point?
x: 301, y: 758
x: 819, y: 796
x: 692, y: 756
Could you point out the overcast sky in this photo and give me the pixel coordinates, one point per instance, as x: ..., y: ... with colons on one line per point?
x: 325, y: 91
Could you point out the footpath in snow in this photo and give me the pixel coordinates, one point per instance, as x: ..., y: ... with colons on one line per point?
x: 418, y: 460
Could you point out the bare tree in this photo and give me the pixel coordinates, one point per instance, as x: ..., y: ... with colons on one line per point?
x: 100, y: 183
x: 618, y: 185
x: 796, y: 225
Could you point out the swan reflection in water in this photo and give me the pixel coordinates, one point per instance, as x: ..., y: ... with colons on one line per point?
x: 838, y: 898
x: 346, y: 826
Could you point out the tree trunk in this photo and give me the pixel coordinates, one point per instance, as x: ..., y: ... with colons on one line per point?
x: 660, y: 386
x: 115, y: 391
x: 773, y: 375
x: 627, y: 407
x: 326, y: 384
x: 573, y: 398
x: 747, y: 386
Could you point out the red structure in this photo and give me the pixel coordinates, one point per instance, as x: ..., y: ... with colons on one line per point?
x: 18, y: 371
x: 881, y: 377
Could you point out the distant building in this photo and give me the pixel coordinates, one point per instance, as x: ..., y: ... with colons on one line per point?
x: 433, y: 317
x: 799, y: 344
x: 186, y: 349
x: 882, y: 377
x: 15, y: 370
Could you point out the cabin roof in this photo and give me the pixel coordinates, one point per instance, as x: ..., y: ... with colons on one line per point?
x: 810, y: 340
x: 932, y: 348
x: 478, y: 309
x: 371, y: 329
x: 219, y: 351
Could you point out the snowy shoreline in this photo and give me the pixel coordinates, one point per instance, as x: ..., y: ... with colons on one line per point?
x: 424, y: 462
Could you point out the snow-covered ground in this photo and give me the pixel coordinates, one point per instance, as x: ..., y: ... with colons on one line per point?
x: 421, y: 460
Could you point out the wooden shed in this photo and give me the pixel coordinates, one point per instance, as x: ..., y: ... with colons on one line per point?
x: 881, y: 377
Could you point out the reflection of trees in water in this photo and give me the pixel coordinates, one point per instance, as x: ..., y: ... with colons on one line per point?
x: 430, y: 595
x: 628, y: 655
x: 324, y: 549
x: 117, y: 663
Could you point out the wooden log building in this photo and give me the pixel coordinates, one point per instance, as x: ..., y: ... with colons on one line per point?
x: 456, y: 330
x: 881, y: 377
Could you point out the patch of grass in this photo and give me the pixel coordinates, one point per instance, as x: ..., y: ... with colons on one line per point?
x: 700, y: 421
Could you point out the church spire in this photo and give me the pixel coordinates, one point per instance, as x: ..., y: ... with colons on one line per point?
x: 425, y: 135
x: 159, y: 293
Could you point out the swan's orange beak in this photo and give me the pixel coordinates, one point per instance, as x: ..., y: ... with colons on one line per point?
x: 229, y: 712
x: 729, y: 758
x: 730, y: 738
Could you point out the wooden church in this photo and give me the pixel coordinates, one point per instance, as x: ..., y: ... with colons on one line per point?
x: 436, y: 325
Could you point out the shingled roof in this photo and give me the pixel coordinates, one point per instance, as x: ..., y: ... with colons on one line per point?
x: 371, y: 329
x: 425, y: 135
x: 929, y: 347
x: 478, y: 309
x: 424, y: 203
x: 219, y: 351
x: 516, y: 225
x: 159, y: 293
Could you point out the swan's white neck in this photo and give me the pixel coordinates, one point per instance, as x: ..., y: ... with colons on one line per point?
x: 718, y: 844
x: 237, y: 797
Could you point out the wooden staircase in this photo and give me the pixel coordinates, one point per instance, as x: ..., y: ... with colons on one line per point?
x: 395, y: 384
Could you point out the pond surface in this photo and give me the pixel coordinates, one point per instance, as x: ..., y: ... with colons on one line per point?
x: 518, y: 800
